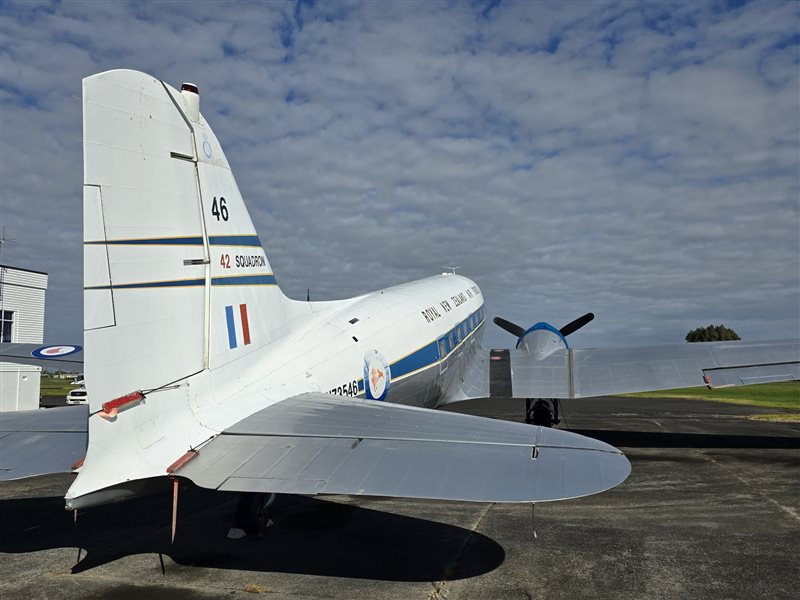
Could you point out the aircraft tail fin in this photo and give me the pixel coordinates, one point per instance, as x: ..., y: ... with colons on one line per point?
x: 175, y: 277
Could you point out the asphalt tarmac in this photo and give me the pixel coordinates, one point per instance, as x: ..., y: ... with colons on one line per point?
x: 711, y: 510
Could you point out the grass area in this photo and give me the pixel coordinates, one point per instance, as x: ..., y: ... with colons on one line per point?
x: 51, y: 386
x: 774, y: 395
x: 779, y: 417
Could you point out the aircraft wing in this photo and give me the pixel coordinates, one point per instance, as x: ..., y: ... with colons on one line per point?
x: 41, y: 355
x: 41, y: 442
x: 582, y: 373
x: 322, y: 444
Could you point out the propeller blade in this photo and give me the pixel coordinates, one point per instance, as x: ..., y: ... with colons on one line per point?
x: 510, y: 327
x: 576, y: 324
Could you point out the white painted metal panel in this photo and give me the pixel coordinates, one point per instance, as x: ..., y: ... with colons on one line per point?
x: 149, y: 217
x: 98, y: 303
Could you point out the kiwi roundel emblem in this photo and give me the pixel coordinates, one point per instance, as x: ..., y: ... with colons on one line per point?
x: 377, y: 375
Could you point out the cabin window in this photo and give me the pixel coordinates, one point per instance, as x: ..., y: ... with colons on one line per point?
x: 442, y: 348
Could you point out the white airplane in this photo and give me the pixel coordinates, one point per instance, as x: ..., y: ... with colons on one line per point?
x: 199, y: 368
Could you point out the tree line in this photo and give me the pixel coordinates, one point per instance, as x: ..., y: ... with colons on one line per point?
x: 712, y: 333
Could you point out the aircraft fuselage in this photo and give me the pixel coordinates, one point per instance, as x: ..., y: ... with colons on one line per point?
x: 417, y: 335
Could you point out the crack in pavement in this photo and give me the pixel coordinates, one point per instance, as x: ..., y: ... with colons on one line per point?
x: 438, y: 586
x: 786, y: 509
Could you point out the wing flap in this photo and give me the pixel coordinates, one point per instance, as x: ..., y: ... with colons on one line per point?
x: 722, y: 377
x: 320, y: 444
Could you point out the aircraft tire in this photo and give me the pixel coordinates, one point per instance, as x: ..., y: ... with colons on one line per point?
x: 253, y: 510
x: 542, y: 414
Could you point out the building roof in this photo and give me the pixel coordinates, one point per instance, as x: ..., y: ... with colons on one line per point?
x: 21, y: 269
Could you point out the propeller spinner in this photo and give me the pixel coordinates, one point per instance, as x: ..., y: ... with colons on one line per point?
x: 543, y: 339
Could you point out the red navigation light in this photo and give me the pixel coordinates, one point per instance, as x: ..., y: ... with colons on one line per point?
x: 190, y: 87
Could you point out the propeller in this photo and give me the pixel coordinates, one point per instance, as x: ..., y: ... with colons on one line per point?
x: 518, y: 331
x: 576, y: 324
x: 510, y: 327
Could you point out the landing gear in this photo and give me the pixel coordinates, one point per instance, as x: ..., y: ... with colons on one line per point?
x: 253, y: 510
x: 540, y: 411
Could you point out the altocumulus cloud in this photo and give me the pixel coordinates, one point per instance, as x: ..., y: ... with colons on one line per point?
x: 636, y: 160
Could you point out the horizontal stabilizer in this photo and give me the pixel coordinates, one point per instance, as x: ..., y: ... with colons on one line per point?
x: 40, y: 355
x: 321, y: 444
x: 41, y: 442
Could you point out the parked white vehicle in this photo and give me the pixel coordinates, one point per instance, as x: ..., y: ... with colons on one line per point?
x: 77, y: 396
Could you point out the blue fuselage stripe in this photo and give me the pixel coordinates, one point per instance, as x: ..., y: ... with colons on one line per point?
x: 232, y: 280
x: 149, y: 284
x: 430, y: 353
x: 214, y: 240
x: 245, y: 280
x: 234, y: 240
x: 423, y: 357
x: 176, y: 241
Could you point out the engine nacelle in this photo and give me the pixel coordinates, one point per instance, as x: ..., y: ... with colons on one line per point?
x: 541, y: 341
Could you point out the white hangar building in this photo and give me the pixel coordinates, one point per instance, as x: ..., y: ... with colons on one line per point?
x: 21, y: 321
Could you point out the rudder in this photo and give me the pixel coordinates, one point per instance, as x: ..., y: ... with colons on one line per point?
x: 175, y: 276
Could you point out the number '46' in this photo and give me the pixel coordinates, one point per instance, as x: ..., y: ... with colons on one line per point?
x: 219, y: 209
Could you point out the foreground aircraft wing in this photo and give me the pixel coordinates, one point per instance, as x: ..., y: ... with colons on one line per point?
x: 321, y: 444
x: 41, y: 442
x: 582, y: 373
x: 68, y: 356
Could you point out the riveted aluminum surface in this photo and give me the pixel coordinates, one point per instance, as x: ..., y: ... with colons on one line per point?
x: 319, y: 444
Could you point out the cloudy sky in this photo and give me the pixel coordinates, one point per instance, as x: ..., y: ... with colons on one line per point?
x: 639, y: 160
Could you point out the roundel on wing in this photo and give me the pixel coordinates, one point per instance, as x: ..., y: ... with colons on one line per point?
x: 55, y: 351
x: 377, y: 375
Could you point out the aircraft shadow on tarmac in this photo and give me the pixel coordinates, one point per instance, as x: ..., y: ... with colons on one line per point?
x: 309, y: 536
x: 662, y: 439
